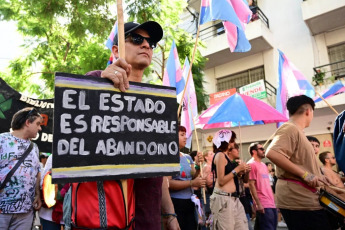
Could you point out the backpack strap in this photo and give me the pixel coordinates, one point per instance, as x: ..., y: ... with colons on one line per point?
x: 20, y: 160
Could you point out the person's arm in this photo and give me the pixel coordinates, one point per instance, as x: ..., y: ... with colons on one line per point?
x: 252, y: 189
x: 168, y: 211
x: 283, y: 162
x: 37, y: 201
x: 182, y: 184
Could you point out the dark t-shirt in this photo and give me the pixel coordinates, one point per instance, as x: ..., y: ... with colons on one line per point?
x: 148, y: 195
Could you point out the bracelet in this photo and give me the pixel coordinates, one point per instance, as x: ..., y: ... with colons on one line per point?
x: 167, y: 215
x: 305, y: 175
x: 190, y: 183
x: 197, y: 167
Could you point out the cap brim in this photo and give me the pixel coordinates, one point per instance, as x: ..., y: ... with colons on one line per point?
x: 153, y: 29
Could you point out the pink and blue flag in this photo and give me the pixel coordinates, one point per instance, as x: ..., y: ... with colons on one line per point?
x: 173, y: 73
x: 291, y: 82
x: 110, y: 41
x: 190, y: 105
x: 336, y: 88
x: 234, y: 14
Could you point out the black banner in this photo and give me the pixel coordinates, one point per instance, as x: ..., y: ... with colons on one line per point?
x: 101, y: 133
x: 12, y: 101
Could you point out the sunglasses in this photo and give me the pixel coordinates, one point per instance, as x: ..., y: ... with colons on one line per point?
x: 262, y: 149
x: 137, y: 39
x: 31, y: 112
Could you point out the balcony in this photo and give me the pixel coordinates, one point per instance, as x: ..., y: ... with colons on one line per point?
x: 323, y: 15
x: 327, y: 74
x: 217, y: 48
x: 332, y: 71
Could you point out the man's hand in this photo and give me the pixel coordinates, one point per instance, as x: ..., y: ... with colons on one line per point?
x: 199, y: 159
x: 118, y: 73
x: 199, y: 182
x: 37, y: 202
x: 260, y: 209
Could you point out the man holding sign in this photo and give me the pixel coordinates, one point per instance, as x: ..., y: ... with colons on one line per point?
x: 140, y: 40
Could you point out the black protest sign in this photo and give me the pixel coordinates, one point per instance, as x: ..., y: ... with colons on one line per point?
x: 101, y: 133
x: 12, y: 101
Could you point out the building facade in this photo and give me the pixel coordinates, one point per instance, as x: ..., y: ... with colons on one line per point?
x: 311, y: 33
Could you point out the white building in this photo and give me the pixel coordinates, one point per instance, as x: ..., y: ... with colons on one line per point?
x: 311, y: 34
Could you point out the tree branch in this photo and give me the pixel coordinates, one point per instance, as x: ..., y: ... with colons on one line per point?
x: 67, y: 49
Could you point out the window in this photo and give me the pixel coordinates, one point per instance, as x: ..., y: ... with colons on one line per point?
x: 337, y: 56
x: 240, y: 79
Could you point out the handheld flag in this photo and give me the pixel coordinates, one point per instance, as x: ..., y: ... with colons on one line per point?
x: 190, y: 106
x: 291, y: 82
x: 336, y: 88
x: 110, y: 41
x: 173, y: 73
x: 234, y: 14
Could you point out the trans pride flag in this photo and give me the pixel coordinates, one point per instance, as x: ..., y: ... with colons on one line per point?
x: 190, y: 105
x: 291, y: 82
x: 336, y: 88
x: 173, y: 73
x: 234, y: 14
x: 110, y: 42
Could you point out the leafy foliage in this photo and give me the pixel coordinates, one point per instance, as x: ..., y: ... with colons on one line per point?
x: 61, y: 36
x: 69, y: 35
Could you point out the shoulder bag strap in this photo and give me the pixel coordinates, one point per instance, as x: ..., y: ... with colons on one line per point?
x: 21, y: 159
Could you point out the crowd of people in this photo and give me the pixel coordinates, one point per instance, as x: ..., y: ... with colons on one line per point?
x: 236, y: 192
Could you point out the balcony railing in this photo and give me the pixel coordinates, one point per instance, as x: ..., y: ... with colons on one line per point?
x: 334, y: 70
x: 218, y: 29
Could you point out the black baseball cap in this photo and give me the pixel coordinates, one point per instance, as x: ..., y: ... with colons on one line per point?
x: 151, y: 27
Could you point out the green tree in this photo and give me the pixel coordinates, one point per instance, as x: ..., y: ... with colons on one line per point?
x: 69, y: 35
x: 60, y: 36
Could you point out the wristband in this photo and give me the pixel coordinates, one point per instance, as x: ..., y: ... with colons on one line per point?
x: 305, y: 175
x: 197, y: 167
x: 167, y: 215
x: 190, y: 183
x: 234, y: 172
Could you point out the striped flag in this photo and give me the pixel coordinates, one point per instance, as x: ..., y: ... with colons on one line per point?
x: 338, y: 87
x: 190, y: 105
x: 291, y: 82
x: 110, y: 41
x: 234, y: 14
x: 173, y: 73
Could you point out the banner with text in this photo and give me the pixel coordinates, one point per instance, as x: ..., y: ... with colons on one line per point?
x: 101, y: 133
x: 12, y: 101
x: 218, y: 96
x: 256, y: 90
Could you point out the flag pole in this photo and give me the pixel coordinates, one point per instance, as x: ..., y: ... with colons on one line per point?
x: 122, y: 54
x: 197, y: 143
x: 190, y: 70
x: 330, y: 106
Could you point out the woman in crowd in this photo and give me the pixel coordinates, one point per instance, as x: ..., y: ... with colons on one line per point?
x: 228, y: 212
x: 181, y: 186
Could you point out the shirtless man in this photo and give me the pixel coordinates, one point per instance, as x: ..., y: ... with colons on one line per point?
x: 328, y: 161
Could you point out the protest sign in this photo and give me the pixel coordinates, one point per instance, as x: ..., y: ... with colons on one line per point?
x: 12, y: 101
x: 101, y: 133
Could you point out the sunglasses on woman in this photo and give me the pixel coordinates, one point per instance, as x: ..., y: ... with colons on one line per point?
x: 137, y: 39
